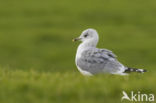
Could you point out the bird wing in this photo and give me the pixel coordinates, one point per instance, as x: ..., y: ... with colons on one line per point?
x: 108, y: 52
x: 97, y: 60
x: 98, y: 55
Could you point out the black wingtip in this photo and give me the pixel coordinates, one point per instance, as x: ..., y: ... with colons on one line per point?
x: 129, y: 70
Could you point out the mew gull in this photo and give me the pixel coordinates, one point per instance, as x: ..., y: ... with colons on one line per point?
x: 91, y: 60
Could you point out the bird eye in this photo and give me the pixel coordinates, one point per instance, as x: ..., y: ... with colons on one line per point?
x: 85, y: 35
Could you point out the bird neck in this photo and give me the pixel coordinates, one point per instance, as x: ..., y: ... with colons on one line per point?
x: 86, y: 44
x: 83, y: 46
x: 89, y: 43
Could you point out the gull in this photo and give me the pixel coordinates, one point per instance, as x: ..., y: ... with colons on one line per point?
x: 91, y: 60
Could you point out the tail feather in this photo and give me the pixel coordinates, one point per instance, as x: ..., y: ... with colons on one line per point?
x: 129, y: 70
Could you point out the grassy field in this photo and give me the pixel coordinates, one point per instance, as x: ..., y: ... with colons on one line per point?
x: 37, y: 56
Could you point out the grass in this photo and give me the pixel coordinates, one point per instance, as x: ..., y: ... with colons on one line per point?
x: 58, y: 87
x: 37, y: 57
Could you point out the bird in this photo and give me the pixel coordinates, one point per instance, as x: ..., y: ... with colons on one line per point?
x: 91, y: 60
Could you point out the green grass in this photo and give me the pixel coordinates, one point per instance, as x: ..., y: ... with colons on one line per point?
x: 32, y: 86
x: 37, y: 57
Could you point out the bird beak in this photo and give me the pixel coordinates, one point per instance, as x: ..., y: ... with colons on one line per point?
x: 76, y: 39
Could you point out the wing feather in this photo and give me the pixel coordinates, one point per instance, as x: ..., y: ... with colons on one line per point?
x: 97, y: 60
x: 98, y: 55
